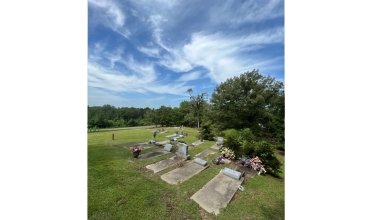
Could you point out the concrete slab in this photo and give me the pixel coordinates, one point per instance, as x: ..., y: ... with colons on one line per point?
x: 153, y: 154
x: 144, y: 146
x: 204, y: 153
x: 198, y: 142
x: 217, y: 147
x: 182, y: 173
x: 162, y: 142
x: 172, y: 135
x: 217, y: 193
x: 163, y: 164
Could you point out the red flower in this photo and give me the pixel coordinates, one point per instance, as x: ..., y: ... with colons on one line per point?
x: 137, y: 148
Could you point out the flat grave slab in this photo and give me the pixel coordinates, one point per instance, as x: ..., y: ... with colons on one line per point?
x: 217, y: 193
x: 217, y: 147
x: 163, y: 164
x: 183, y: 173
x: 198, y: 142
x: 144, y: 146
x: 205, y: 153
x: 162, y: 142
x: 153, y: 154
x: 172, y: 135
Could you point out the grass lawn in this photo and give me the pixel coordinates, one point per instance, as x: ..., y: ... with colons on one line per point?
x: 120, y: 187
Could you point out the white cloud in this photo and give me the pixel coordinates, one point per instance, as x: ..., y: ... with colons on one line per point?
x: 109, y: 14
x: 190, y: 76
x: 164, y: 31
x: 248, y: 11
x: 150, y: 51
x: 222, y: 55
x: 139, y: 77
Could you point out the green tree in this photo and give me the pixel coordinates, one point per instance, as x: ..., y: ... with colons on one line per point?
x: 244, y: 102
x: 164, y: 115
x: 197, y: 104
x: 150, y: 117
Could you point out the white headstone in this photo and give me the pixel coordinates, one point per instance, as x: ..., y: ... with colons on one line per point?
x: 168, y: 147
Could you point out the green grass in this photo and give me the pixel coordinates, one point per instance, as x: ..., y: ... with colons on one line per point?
x: 120, y: 187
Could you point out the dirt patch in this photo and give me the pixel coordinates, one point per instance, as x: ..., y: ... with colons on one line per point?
x: 145, y: 170
x: 204, y: 215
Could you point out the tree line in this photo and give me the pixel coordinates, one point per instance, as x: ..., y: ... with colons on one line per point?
x: 250, y: 100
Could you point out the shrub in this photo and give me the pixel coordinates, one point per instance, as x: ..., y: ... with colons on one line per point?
x: 231, y: 139
x: 206, y: 131
x: 265, y: 151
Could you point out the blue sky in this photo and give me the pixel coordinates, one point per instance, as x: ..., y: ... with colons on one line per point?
x: 148, y: 53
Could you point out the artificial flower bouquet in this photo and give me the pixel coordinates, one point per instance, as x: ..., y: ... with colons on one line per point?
x: 136, y: 151
x: 227, y: 153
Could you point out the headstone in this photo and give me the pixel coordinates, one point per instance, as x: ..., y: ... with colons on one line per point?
x: 220, y: 140
x: 232, y: 173
x: 152, y: 142
x: 168, y: 147
x: 183, y: 151
x: 200, y: 161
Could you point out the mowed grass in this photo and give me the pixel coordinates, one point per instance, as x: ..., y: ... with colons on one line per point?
x: 121, y: 187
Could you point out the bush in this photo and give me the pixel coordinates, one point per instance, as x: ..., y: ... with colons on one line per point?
x: 265, y: 151
x: 206, y: 131
x: 231, y: 139
x: 280, y: 147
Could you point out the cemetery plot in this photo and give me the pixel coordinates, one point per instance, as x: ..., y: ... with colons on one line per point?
x: 182, y: 173
x: 142, y: 145
x: 163, y: 164
x: 217, y: 193
x: 152, y: 154
x: 204, y: 153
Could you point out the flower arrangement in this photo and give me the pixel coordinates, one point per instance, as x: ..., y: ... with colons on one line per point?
x: 227, y: 153
x: 136, y: 151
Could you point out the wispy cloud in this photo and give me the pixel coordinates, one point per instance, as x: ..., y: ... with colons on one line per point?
x: 109, y: 14
x: 225, y: 56
x: 190, y: 76
x: 165, y: 47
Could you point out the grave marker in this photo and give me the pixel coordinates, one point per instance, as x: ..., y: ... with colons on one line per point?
x: 168, y: 147
x: 232, y: 173
x: 183, y: 151
x: 200, y: 161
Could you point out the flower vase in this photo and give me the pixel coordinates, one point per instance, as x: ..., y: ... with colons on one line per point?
x: 136, y: 154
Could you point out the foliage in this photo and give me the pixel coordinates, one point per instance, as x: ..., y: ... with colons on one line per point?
x: 243, y: 143
x: 206, y: 131
x: 249, y: 101
x: 108, y: 116
x: 197, y: 104
x: 231, y: 139
x: 265, y: 151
